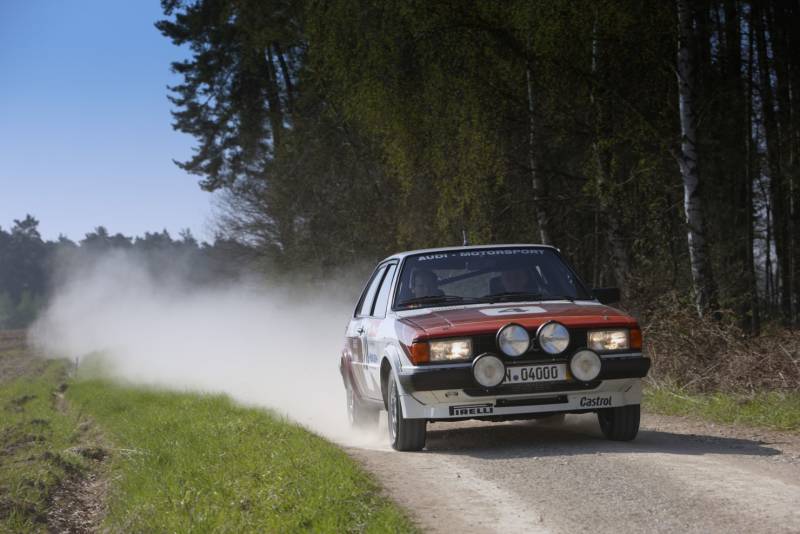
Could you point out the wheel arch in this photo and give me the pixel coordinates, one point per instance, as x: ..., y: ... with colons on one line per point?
x: 345, y: 370
x: 386, y: 373
x: 389, y: 365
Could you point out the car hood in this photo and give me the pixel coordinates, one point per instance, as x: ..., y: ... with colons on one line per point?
x: 472, y: 320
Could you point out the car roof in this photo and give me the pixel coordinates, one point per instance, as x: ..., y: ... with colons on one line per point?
x: 401, y: 255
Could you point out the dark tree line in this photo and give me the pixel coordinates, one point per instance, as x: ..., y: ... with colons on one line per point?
x: 31, y: 267
x: 656, y: 143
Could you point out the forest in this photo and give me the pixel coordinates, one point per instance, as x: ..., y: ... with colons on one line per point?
x: 655, y: 143
x: 31, y: 267
x: 162, y: 383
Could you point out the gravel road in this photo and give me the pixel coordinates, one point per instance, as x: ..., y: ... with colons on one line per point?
x: 679, y: 475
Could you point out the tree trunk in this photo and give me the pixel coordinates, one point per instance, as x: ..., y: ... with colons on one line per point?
x: 735, y: 133
x: 702, y: 278
x: 751, y: 178
x: 287, y: 78
x: 611, y: 215
x: 791, y: 22
x: 274, y: 100
x: 777, y: 189
x: 536, y: 180
x: 780, y: 21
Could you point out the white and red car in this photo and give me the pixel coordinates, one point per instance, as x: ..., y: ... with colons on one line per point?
x: 488, y: 332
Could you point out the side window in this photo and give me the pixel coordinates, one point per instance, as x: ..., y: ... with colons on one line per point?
x: 365, y: 306
x: 383, y: 295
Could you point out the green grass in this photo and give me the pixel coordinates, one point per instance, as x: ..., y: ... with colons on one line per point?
x: 780, y: 411
x: 179, y: 462
x: 36, y: 445
x: 200, y: 463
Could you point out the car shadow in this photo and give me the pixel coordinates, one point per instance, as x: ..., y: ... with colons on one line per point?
x: 524, y: 439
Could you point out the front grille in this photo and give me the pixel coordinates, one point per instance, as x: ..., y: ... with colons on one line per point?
x: 506, y: 403
x: 521, y: 389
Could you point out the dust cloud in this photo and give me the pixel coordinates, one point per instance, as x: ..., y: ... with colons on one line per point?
x: 275, y: 347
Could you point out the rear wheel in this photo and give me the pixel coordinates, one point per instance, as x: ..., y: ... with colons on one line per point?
x: 620, y: 424
x: 404, y: 434
x: 360, y: 415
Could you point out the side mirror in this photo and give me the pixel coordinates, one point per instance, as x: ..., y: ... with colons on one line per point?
x: 607, y: 295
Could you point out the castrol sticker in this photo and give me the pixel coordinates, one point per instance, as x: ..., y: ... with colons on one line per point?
x: 597, y: 401
x: 512, y: 310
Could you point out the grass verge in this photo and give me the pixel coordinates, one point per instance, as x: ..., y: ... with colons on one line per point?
x: 37, y: 444
x: 776, y: 410
x: 178, y: 462
x: 191, y: 462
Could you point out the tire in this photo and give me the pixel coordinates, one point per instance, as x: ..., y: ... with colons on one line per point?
x: 359, y: 415
x: 404, y: 434
x: 619, y: 424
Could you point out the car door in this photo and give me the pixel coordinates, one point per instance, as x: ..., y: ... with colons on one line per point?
x: 377, y: 332
x: 357, y: 333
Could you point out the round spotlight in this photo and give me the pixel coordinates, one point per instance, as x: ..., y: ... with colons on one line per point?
x: 513, y: 340
x: 585, y: 365
x: 553, y: 337
x: 488, y: 370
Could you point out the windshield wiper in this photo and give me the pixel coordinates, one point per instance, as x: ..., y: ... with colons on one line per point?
x: 511, y: 295
x: 434, y: 299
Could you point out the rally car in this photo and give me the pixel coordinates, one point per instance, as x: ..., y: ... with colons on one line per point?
x: 492, y: 333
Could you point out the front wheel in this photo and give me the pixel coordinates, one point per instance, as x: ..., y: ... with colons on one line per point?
x: 404, y: 434
x: 620, y: 424
x: 359, y: 415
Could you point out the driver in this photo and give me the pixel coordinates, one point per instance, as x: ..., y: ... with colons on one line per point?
x: 517, y: 280
x: 424, y: 283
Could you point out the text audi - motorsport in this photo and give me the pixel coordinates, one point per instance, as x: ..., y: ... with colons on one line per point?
x: 490, y: 332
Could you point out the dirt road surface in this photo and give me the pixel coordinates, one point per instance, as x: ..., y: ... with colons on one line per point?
x: 679, y: 475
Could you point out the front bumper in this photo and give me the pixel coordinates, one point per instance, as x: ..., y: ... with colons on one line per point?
x: 609, y: 394
x: 450, y: 392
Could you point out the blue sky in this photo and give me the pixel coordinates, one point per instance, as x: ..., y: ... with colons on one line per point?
x: 85, y: 128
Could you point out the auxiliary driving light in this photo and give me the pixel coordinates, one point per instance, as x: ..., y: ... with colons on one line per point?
x: 553, y: 337
x: 488, y: 370
x: 585, y: 365
x: 513, y: 340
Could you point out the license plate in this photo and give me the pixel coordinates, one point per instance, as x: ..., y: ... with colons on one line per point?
x: 536, y: 373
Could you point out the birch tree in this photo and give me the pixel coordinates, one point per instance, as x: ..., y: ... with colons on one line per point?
x: 536, y: 179
x: 702, y: 278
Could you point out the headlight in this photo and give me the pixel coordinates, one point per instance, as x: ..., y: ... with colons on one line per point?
x: 553, y: 337
x: 488, y: 370
x: 601, y: 340
x: 585, y: 365
x: 513, y: 340
x: 451, y: 349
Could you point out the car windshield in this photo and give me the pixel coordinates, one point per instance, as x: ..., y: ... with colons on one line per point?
x: 486, y: 275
